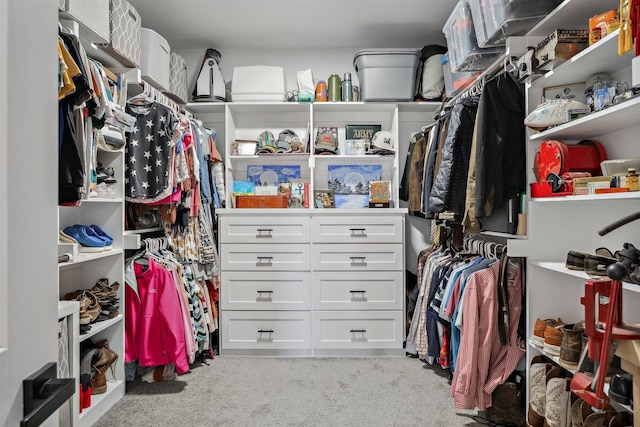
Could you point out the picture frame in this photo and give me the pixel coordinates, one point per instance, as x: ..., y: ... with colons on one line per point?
x: 574, y: 91
x: 324, y: 198
x: 353, y: 179
x: 244, y: 148
x: 380, y: 191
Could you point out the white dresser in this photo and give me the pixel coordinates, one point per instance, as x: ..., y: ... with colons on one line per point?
x: 323, y: 283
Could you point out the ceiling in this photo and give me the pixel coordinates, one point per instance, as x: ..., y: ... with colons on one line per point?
x: 227, y: 24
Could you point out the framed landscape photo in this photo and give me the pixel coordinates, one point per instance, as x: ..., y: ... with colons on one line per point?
x: 324, y: 198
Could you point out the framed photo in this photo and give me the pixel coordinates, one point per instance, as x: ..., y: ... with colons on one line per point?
x: 324, y: 198
x: 351, y: 201
x: 243, y: 148
x: 353, y: 179
x: 380, y: 191
x: 572, y: 91
x: 272, y: 174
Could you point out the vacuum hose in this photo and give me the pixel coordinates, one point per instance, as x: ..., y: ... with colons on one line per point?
x: 619, y: 223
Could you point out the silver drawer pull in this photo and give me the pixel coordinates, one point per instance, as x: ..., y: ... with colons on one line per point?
x: 265, y: 331
x: 358, y: 232
x: 358, y: 292
x: 264, y: 232
x: 358, y: 260
x: 358, y: 331
x: 265, y: 260
x: 265, y: 292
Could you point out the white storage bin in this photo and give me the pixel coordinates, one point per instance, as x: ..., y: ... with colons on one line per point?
x: 178, y: 79
x: 125, y: 34
x: 495, y: 20
x: 91, y: 15
x: 464, y: 52
x: 387, y: 74
x: 258, y: 83
x: 156, y: 58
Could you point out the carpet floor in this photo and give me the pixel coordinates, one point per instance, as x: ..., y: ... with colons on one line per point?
x: 251, y: 391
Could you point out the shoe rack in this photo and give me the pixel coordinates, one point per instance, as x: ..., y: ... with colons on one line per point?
x: 557, y: 225
x: 106, y: 209
x: 82, y: 272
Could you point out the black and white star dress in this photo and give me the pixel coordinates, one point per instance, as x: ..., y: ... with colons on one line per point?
x: 148, y: 161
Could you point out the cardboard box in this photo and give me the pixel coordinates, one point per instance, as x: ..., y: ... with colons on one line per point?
x: 581, y: 185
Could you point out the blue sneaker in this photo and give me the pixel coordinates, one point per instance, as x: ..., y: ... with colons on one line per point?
x: 104, y: 236
x: 87, y: 243
x: 92, y: 233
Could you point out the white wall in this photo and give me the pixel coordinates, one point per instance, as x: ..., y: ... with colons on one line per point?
x: 4, y: 277
x: 30, y: 152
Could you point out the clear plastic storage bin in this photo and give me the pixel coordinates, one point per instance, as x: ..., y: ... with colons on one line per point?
x: 495, y: 20
x: 464, y: 52
x: 456, y: 82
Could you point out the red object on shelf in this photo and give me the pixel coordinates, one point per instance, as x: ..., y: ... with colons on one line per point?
x: 602, y: 302
x: 559, y: 158
x: 544, y: 189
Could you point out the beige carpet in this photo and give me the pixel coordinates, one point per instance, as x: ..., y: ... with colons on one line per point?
x: 244, y: 391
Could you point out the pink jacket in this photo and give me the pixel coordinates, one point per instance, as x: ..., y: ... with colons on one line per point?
x: 155, y: 331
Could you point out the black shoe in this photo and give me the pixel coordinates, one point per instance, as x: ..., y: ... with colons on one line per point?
x: 621, y: 388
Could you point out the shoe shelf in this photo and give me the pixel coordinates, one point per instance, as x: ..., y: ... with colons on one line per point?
x: 611, y: 119
x: 556, y: 360
x: 560, y: 267
x: 87, y: 257
x: 100, y: 403
x: 98, y: 327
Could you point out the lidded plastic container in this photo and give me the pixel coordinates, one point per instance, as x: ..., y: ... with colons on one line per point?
x: 387, y: 74
x: 455, y: 82
x: 495, y: 20
x: 464, y: 52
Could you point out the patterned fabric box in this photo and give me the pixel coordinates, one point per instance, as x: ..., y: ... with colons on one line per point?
x: 178, y: 79
x: 126, y: 34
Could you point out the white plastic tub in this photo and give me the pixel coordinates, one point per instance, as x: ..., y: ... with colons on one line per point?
x: 387, y: 74
x: 258, y: 83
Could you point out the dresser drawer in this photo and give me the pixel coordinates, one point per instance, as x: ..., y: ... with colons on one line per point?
x: 264, y: 257
x: 359, y: 257
x: 265, y: 330
x: 363, y: 329
x: 380, y: 290
x: 362, y: 229
x: 286, y: 229
x: 265, y: 290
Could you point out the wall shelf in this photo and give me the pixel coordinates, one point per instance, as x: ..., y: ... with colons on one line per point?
x: 98, y: 327
x: 614, y: 118
x: 560, y: 267
x: 87, y: 257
